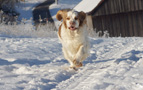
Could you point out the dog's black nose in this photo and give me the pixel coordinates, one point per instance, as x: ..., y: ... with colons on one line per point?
x: 72, y: 23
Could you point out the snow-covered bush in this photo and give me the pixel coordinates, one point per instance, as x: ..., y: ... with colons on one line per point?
x: 8, y: 12
x: 94, y: 33
x: 27, y: 29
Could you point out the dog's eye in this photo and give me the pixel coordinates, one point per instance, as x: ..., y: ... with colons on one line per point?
x: 68, y: 18
x: 75, y: 18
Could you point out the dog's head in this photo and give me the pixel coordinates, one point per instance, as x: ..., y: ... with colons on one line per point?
x: 71, y: 18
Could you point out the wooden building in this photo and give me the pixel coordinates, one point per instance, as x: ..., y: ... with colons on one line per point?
x: 119, y: 17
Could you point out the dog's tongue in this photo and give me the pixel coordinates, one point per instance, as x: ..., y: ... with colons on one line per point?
x: 72, y: 28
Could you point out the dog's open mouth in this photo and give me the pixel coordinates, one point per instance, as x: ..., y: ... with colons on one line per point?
x: 72, y: 28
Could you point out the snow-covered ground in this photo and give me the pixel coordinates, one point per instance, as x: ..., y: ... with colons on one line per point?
x: 36, y: 62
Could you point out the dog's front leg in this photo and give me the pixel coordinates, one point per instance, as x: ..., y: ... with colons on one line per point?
x: 78, y: 57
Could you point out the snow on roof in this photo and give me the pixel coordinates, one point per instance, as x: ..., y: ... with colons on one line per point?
x: 87, y: 5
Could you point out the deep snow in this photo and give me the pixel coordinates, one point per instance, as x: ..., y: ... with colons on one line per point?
x: 34, y: 62
x: 38, y: 64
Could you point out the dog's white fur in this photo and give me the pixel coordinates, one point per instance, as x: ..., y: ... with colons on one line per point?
x: 73, y: 36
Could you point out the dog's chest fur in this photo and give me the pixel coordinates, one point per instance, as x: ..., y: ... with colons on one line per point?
x: 72, y: 40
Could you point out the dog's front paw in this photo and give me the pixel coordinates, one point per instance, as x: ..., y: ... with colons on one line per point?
x: 77, y: 64
x: 74, y: 68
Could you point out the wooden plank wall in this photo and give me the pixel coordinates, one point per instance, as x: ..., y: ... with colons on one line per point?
x: 122, y: 24
x: 118, y: 6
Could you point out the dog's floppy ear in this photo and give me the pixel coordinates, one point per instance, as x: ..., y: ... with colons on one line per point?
x: 82, y: 15
x: 59, y: 15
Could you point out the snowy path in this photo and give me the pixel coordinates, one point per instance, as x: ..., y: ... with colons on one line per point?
x: 38, y: 64
x: 112, y: 70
